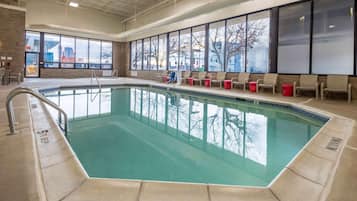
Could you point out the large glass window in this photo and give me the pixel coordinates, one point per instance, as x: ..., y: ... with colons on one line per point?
x: 94, y: 54
x: 67, y: 52
x: 81, y: 53
x: 185, y: 50
x: 139, y: 53
x: 107, y: 55
x: 258, y: 42
x: 333, y: 37
x: 216, y: 46
x: 235, y: 42
x: 32, y: 42
x: 133, y: 55
x: 52, y: 50
x: 146, y: 60
x: 294, y: 38
x: 198, y: 48
x: 154, y: 57
x: 173, y: 50
x: 162, y: 52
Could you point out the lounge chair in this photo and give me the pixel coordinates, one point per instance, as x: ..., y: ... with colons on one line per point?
x: 307, y: 83
x: 337, y: 83
x: 243, y: 79
x: 220, y: 77
x: 186, y: 75
x: 201, y: 76
x: 270, y: 80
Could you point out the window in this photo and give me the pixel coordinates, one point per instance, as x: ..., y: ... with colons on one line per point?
x: 235, y: 42
x: 94, y: 54
x: 107, y: 55
x: 173, y: 50
x: 139, y: 53
x: 133, y: 55
x: 67, y: 52
x: 258, y: 42
x: 81, y: 53
x: 32, y: 42
x: 154, y: 57
x: 52, y: 50
x: 216, y: 46
x: 198, y: 48
x: 185, y: 50
x: 162, y: 52
x: 294, y: 38
x: 333, y: 37
x: 146, y: 60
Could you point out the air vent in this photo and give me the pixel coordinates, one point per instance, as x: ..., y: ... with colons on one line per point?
x: 334, y: 143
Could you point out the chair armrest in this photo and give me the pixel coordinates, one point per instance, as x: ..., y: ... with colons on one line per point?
x: 259, y: 80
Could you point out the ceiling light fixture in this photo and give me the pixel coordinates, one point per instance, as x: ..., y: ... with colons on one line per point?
x: 331, y: 26
x: 73, y: 4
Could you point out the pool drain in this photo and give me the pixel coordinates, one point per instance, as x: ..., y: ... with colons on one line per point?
x: 334, y: 143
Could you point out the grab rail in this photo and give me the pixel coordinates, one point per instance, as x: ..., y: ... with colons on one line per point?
x: 94, y: 75
x: 25, y: 90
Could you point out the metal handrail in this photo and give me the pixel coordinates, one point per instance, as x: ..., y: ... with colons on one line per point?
x: 25, y: 90
x: 94, y: 75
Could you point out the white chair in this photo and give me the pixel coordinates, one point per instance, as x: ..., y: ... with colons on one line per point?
x: 243, y: 79
x: 307, y: 83
x: 201, y: 76
x: 337, y: 83
x: 220, y: 77
x: 270, y: 80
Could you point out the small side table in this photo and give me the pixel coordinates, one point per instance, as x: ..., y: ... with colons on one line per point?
x: 165, y: 79
x: 253, y: 87
x: 227, y: 84
x: 207, y: 83
x: 287, y: 89
x: 190, y: 81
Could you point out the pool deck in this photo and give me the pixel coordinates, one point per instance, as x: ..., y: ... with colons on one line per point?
x: 37, y: 165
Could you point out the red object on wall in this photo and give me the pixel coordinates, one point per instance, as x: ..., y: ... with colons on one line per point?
x: 227, y: 84
x: 207, y: 83
x: 253, y: 86
x: 287, y: 89
x: 190, y: 81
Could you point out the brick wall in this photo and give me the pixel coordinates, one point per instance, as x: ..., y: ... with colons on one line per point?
x: 12, y: 37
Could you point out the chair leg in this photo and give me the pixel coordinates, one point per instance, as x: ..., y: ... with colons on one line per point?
x: 322, y: 94
x: 317, y: 93
x: 273, y: 90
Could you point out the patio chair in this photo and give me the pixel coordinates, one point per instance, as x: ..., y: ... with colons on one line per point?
x: 337, y: 83
x: 270, y: 80
x: 243, y: 79
x: 201, y: 76
x: 307, y: 83
x: 185, y: 76
x: 220, y: 77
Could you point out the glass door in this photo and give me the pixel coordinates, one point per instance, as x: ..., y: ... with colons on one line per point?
x: 32, y: 64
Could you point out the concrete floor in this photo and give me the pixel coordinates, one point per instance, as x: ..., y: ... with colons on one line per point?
x: 19, y: 178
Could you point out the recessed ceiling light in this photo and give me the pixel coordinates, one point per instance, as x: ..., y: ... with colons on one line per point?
x: 302, y: 18
x: 331, y: 26
x: 73, y: 4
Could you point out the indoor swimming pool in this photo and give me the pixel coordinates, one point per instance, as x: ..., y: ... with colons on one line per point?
x: 145, y: 133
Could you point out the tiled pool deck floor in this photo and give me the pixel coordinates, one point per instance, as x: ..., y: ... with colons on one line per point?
x: 40, y: 166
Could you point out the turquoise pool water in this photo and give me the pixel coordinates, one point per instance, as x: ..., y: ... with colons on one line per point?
x: 152, y: 134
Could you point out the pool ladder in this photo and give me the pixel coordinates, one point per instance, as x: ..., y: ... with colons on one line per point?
x: 94, y: 76
x: 25, y: 90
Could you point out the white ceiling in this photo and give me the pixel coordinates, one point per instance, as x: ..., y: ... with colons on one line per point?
x: 122, y: 8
